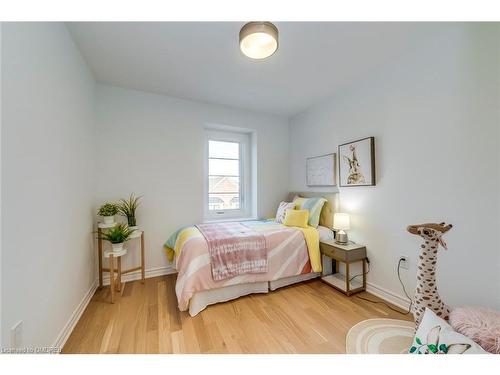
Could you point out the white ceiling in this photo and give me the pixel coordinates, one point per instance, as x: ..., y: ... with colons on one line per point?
x: 202, y: 60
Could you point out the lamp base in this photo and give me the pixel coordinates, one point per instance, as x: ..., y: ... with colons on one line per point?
x: 341, y: 238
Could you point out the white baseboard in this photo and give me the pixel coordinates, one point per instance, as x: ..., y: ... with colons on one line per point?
x: 68, y: 328
x: 136, y: 275
x: 397, y: 300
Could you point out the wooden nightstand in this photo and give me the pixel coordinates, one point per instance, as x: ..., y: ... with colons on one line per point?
x: 349, y: 253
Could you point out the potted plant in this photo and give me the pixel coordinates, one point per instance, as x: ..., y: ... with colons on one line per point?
x: 108, y: 212
x: 117, y: 235
x: 127, y: 208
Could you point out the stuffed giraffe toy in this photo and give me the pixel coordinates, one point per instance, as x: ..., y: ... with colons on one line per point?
x: 426, y: 293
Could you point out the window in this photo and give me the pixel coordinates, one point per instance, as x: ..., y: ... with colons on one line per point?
x: 215, y: 203
x: 228, y: 193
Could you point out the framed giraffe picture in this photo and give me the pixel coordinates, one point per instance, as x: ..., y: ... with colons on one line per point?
x: 357, y: 163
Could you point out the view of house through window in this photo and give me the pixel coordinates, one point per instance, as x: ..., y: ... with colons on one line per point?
x: 224, y: 191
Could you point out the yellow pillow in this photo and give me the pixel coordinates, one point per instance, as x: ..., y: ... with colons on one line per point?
x: 296, y: 218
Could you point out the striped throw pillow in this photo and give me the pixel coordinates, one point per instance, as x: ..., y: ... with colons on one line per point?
x: 313, y: 205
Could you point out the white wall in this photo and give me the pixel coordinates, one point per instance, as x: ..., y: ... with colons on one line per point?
x: 1, y: 332
x: 153, y: 145
x: 434, y: 114
x: 47, y: 168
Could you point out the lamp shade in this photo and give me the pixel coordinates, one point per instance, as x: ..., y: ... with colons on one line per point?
x: 341, y: 221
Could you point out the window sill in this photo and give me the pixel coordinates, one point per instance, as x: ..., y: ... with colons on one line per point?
x: 206, y: 221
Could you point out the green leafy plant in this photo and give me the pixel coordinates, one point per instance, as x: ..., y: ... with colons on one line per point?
x: 117, y: 234
x: 127, y: 208
x: 108, y: 209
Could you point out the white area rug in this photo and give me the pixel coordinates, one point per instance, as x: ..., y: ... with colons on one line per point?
x: 380, y: 336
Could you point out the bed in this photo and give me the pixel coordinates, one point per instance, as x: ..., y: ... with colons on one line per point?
x: 292, y: 256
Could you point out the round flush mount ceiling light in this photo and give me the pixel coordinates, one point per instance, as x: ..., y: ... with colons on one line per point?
x: 258, y: 40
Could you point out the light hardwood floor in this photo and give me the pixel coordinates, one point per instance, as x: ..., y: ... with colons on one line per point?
x: 310, y: 317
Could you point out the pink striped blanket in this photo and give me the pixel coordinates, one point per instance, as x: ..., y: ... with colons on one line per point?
x: 287, y: 256
x: 234, y: 249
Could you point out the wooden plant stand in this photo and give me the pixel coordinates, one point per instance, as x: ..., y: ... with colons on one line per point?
x: 115, y: 283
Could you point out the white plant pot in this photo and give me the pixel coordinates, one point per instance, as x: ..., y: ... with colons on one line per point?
x: 117, y: 247
x: 108, y: 219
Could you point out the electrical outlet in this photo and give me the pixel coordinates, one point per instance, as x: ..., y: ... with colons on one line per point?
x: 404, y: 262
x: 16, y: 334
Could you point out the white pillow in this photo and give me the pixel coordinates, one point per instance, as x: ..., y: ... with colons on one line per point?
x: 325, y: 233
x: 280, y: 214
x: 436, y: 336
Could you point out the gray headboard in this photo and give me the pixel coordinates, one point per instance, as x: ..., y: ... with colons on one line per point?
x: 330, y: 207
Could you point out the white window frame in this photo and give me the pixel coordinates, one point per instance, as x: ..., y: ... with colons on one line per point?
x: 245, y: 172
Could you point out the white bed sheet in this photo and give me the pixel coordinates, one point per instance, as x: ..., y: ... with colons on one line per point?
x: 325, y: 233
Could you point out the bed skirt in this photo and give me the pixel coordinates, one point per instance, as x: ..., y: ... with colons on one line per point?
x: 280, y: 283
x: 201, y: 300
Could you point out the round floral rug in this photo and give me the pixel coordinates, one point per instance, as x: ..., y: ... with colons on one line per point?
x: 380, y: 336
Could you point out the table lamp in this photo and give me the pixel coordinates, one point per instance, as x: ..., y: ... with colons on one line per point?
x: 341, y: 223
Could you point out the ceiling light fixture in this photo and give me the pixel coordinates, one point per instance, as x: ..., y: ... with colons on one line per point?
x: 258, y: 40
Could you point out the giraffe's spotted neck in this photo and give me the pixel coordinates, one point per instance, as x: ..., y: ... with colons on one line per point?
x: 426, y: 293
x: 426, y: 274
